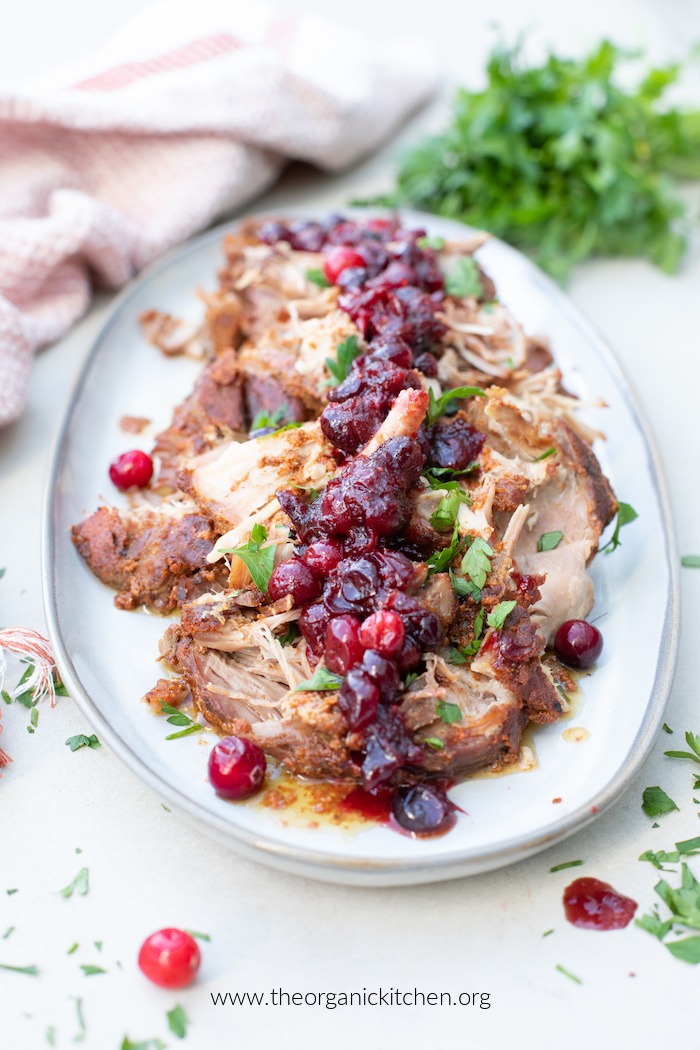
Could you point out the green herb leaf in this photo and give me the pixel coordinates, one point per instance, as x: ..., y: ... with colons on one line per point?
x: 691, y: 561
x: 660, y: 858
x: 259, y: 560
x: 144, y: 1044
x: 567, y: 864
x: 8, y: 932
x: 321, y: 680
x: 689, y: 847
x: 449, y: 713
x: 567, y: 973
x: 653, y: 925
x: 79, y: 885
x: 290, y: 635
x: 318, y: 277
x: 446, y: 514
x: 76, y: 742
x: 198, y: 935
x: 687, y: 949
x: 693, y: 742
x: 464, y: 281
x: 31, y: 971
x: 345, y: 354
x: 438, y: 405
x: 476, y: 562
x: 667, y: 729
x: 177, y: 718
x: 177, y: 1021
x: 440, y: 559
x: 459, y: 584
x: 547, y: 933
x: 549, y: 541
x: 655, y: 801
x: 545, y: 455
x: 497, y: 617
x: 194, y: 728
x: 73, y: 948
x: 264, y: 420
x: 625, y: 515
x: 436, y: 243
x: 446, y: 477
x: 91, y: 971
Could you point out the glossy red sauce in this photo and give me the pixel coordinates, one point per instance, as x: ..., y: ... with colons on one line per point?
x: 372, y: 805
x: 595, y: 905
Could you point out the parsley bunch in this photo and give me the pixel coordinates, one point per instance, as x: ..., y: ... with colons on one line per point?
x: 561, y: 161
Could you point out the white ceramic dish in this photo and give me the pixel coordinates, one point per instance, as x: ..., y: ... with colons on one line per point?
x: 107, y: 657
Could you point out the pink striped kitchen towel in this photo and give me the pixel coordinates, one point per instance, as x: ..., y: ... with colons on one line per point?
x: 192, y: 110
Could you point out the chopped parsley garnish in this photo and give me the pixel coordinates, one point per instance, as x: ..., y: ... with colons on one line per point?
x: 667, y: 729
x: 290, y: 635
x: 547, y: 933
x: 73, y: 948
x: 545, y: 455
x: 625, y: 515
x: 259, y: 559
x: 91, y: 971
x: 446, y: 514
x: 31, y: 971
x: 144, y: 1044
x: 459, y: 584
x: 445, y: 477
x: 567, y: 864
x: 438, y: 405
x: 79, y: 885
x: 263, y: 420
x: 549, y: 541
x: 440, y: 560
x: 448, y: 712
x: 81, y: 740
x: 179, y: 718
x: 684, y: 905
x: 321, y: 680
x: 464, y: 281
x: 655, y: 801
x: 436, y: 243
x: 10, y: 892
x: 476, y: 562
x: 2, y: 573
x: 318, y: 277
x: 8, y: 932
x: 567, y: 973
x: 693, y: 742
x: 345, y: 354
x: 280, y: 430
x: 497, y: 617
x: 177, y: 1021
x: 51, y: 1035
x: 434, y: 743
x: 691, y: 561
x: 198, y: 935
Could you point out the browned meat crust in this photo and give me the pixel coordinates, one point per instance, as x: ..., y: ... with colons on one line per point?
x: 516, y: 662
x: 602, y: 506
x: 153, y: 561
x: 266, y: 394
x: 172, y: 691
x: 133, y: 424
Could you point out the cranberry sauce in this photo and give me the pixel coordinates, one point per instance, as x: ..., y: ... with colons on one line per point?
x: 347, y: 574
x: 595, y: 905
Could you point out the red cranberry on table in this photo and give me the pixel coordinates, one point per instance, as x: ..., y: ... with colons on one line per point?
x: 295, y: 578
x: 578, y: 644
x: 170, y: 958
x: 338, y: 259
x: 236, y: 767
x: 383, y: 631
x: 131, y: 469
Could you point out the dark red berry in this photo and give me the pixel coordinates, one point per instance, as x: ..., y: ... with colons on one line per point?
x: 424, y: 810
x: 338, y: 259
x: 313, y: 621
x: 578, y: 644
x: 236, y: 767
x: 170, y: 958
x: 343, y: 648
x: 131, y: 469
x: 295, y: 578
x: 383, y: 631
x: 323, y: 556
x: 358, y: 698
x: 384, y: 672
x: 427, y: 364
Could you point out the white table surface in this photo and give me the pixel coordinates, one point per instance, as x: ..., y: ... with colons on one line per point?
x: 270, y: 930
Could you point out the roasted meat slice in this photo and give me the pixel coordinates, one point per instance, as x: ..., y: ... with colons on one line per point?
x: 154, y: 559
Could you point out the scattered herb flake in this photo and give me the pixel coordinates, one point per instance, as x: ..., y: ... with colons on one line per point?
x: 81, y: 740
x: 436, y: 243
x: 667, y: 729
x: 176, y: 717
x: 545, y: 455
x: 51, y: 1035
x: 567, y: 973
x: 476, y: 562
x: 549, y: 541
x: 290, y: 635
x: 438, y: 405
x: 625, y: 515
x: 318, y: 277
x: 567, y: 864
x: 655, y: 801
x: 689, y: 847
x: 448, y: 712
x: 440, y: 560
x: 322, y: 679
x: 259, y: 559
x: 693, y: 742
x: 144, y: 1044
x: 446, y: 514
x: 200, y: 936
x: 264, y: 420
x: 31, y: 971
x: 73, y: 948
x: 691, y: 561
x: 464, y: 281
x: 547, y: 933
x: 346, y: 352
x: 6, y: 697
x: 89, y: 970
x: 8, y: 932
x: 79, y: 885
x: 177, y: 1021
x: 434, y: 743
x: 497, y: 617
x: 687, y: 949
x: 194, y: 728
x: 10, y: 892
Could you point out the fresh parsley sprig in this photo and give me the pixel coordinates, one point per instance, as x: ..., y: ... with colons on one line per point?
x: 497, y: 617
x: 321, y: 680
x: 625, y: 515
x: 655, y: 801
x: 179, y: 718
x: 476, y: 563
x: 446, y: 514
x: 684, y: 905
x: 318, y: 277
x: 345, y: 354
x: 693, y: 742
x: 259, y: 559
x: 549, y: 541
x: 438, y: 405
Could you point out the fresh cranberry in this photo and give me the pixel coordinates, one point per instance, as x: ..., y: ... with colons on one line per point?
x: 338, y: 259
x: 313, y: 622
x: 384, y: 672
x: 409, y: 657
x: 391, y: 348
x: 383, y: 631
x: 353, y: 586
x: 352, y: 278
x: 427, y: 364
x: 170, y: 958
x: 422, y: 626
x: 595, y: 905
x: 295, y: 578
x: 272, y: 231
x: 343, y: 648
x: 131, y: 469
x: 306, y: 236
x: 323, y: 556
x: 236, y: 767
x: 358, y: 698
x: 395, y: 569
x: 578, y: 644
x: 424, y: 810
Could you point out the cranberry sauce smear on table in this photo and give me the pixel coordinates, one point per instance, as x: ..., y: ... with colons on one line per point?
x: 380, y: 512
